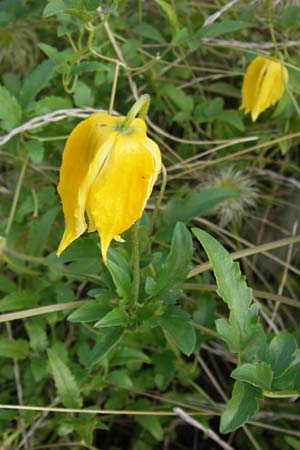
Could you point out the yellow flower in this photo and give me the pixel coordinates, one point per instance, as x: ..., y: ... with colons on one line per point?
x: 263, y: 85
x: 108, y: 174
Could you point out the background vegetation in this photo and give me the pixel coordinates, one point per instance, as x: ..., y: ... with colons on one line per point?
x: 59, y: 61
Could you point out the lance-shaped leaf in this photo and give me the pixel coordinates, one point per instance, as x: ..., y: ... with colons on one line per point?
x: 65, y: 382
x: 242, y: 327
x: 176, y: 266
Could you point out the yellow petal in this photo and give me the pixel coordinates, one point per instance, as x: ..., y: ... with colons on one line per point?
x: 84, y: 146
x: 271, y: 89
x: 251, y: 82
x: 124, y: 183
x: 263, y: 85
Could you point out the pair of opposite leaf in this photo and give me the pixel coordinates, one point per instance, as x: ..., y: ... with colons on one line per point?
x: 108, y: 174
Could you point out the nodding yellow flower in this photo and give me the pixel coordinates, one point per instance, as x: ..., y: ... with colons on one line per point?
x: 263, y: 85
x: 107, y: 173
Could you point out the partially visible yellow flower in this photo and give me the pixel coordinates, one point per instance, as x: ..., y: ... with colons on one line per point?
x: 263, y: 85
x: 108, y: 174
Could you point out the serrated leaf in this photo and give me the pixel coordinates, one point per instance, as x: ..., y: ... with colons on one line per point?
x: 19, y: 300
x: 65, y: 382
x: 176, y: 266
x: 108, y: 342
x: 11, y: 114
x: 118, y: 316
x: 177, y: 325
x: 243, y: 323
x: 242, y: 405
x: 13, y: 348
x: 258, y: 374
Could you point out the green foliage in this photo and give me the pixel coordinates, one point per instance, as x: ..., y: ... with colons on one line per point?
x: 77, y: 333
x: 260, y: 365
x: 10, y: 116
x: 65, y: 382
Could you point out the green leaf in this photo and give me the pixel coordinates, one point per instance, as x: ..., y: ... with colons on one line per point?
x: 233, y: 118
x: 243, y: 323
x: 65, y: 382
x: 209, y: 110
x: 83, y: 95
x: 290, y: 15
x: 50, y: 103
x: 292, y: 442
x: 195, y: 204
x: 90, y: 66
x: 11, y: 115
x: 126, y: 355
x: 13, y: 348
x: 282, y: 350
x: 53, y: 7
x: 171, y: 15
x: 120, y: 272
x: 36, y: 80
x: 52, y: 53
x: 89, y: 313
x: 102, y: 348
x: 163, y: 368
x: 39, y: 232
x: 258, y: 374
x: 242, y: 405
x: 114, y: 318
x: 149, y: 423
x: 6, y: 284
x: 19, y: 300
x: 38, y: 336
x: 120, y: 378
x: 148, y: 31
x: 35, y: 151
x: 177, y: 325
x: 227, y: 26
x: 176, y: 266
x: 183, y: 101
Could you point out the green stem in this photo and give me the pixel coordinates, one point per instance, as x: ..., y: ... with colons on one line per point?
x: 114, y: 88
x: 140, y: 108
x: 16, y: 196
x: 135, y: 260
x: 159, y: 198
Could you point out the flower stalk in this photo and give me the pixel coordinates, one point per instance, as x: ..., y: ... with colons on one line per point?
x: 140, y: 109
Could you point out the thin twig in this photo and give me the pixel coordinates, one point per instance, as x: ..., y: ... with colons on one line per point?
x: 194, y: 423
x: 211, y: 19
